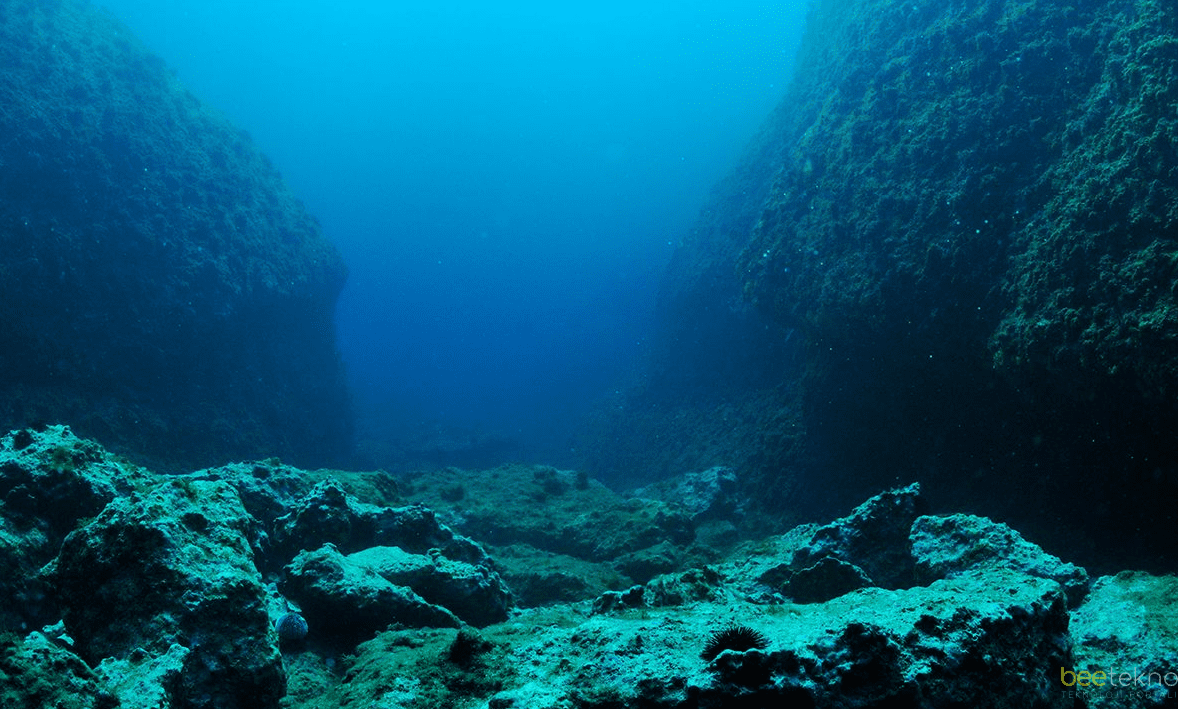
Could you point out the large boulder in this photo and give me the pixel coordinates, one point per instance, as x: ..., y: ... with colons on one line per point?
x: 952, y: 545
x: 161, y: 288
x: 474, y: 593
x: 170, y: 574
x: 347, y: 601
x: 50, y: 480
x: 1127, y: 629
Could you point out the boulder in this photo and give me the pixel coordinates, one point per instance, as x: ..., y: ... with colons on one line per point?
x: 38, y: 672
x: 145, y: 681
x: 868, y: 547
x: 346, y: 602
x: 1127, y: 628
x: 49, y: 480
x: 704, y: 494
x: 328, y: 514
x: 948, y: 546
x: 474, y: 593
x: 173, y: 566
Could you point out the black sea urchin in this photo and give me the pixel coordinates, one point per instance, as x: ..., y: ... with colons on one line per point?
x: 739, y: 638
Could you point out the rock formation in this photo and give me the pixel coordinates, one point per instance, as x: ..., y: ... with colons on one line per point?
x: 160, y: 287
x: 262, y: 585
x: 965, y: 216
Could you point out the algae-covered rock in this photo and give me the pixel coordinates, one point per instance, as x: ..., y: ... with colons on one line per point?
x: 995, y: 170
x: 145, y: 681
x: 870, y: 545
x: 51, y: 475
x: 1127, y: 629
x: 160, y: 286
x: 704, y: 494
x: 328, y: 514
x: 539, y: 578
x: 474, y: 593
x: 948, y: 546
x: 963, y: 216
x: 558, y: 530
x: 346, y: 601
x: 50, y: 480
x: 549, y: 510
x: 268, y: 489
x: 163, y: 607
x: 174, y: 566
x: 36, y: 672
x: 987, y: 640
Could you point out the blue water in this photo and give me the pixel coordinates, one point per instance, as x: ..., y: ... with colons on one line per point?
x: 505, y: 180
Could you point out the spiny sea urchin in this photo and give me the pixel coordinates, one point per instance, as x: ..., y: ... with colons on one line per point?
x: 739, y: 638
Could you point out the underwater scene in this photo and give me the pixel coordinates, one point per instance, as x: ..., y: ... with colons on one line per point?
x: 518, y: 355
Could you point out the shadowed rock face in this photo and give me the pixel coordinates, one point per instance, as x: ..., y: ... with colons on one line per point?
x: 967, y: 213
x: 160, y: 286
x: 974, y: 226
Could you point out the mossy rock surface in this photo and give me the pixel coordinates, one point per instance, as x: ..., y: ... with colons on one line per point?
x: 967, y: 214
x: 161, y: 288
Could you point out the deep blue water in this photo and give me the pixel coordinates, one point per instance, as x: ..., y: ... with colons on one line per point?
x: 506, y: 181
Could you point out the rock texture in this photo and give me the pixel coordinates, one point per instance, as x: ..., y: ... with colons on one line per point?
x: 171, y: 572
x: 160, y: 286
x: 348, y: 601
x: 36, y: 672
x: 174, y: 594
x: 50, y: 480
x: 1127, y: 629
x: 946, y: 547
x: 965, y: 213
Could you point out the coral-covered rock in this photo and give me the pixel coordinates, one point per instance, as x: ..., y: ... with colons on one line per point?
x: 949, y: 546
x: 174, y: 566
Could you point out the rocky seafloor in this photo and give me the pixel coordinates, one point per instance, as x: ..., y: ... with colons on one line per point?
x: 261, y: 585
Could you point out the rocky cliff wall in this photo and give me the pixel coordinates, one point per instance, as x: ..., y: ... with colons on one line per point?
x: 971, y: 221
x: 161, y: 289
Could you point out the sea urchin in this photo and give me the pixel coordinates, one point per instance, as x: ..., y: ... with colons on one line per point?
x: 739, y: 638
x: 292, y: 629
